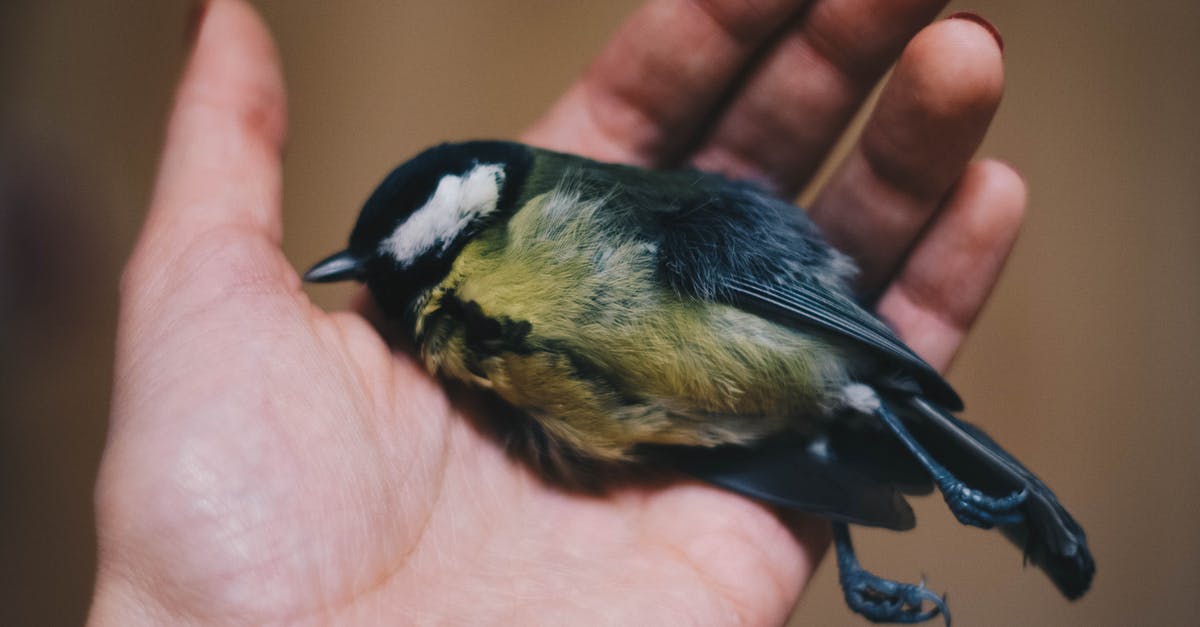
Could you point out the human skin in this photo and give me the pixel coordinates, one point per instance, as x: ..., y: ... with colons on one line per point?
x: 269, y: 461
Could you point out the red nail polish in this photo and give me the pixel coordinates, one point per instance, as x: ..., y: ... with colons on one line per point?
x: 194, y: 19
x: 978, y: 19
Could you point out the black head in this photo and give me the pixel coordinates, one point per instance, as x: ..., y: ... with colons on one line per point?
x: 421, y: 215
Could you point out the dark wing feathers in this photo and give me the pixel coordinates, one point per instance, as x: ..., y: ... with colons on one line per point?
x: 806, y: 303
x: 831, y: 485
x: 734, y: 243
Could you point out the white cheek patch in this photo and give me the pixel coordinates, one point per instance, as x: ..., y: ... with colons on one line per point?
x: 457, y: 201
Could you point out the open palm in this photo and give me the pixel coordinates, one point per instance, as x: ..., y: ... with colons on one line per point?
x: 269, y: 461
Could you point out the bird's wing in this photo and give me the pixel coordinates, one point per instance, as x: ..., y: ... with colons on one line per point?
x: 732, y: 243
x: 799, y: 481
x: 809, y: 304
x: 845, y: 474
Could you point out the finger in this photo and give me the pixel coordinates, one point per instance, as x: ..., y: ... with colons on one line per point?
x: 931, y: 117
x: 659, y: 78
x: 946, y: 280
x: 793, y: 108
x: 221, y: 163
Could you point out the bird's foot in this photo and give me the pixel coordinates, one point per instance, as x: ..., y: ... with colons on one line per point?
x: 882, y: 600
x: 885, y: 601
x: 970, y: 506
x: 975, y: 508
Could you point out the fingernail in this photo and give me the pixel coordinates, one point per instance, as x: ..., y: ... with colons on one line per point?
x: 194, y: 19
x: 978, y: 19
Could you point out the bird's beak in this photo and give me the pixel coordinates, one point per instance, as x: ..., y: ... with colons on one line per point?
x: 339, y: 267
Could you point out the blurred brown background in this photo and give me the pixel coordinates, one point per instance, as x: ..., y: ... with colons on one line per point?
x: 1084, y: 364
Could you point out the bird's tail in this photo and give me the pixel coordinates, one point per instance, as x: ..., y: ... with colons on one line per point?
x: 1048, y: 535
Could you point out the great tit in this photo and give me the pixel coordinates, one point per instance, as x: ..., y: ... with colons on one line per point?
x: 678, y: 318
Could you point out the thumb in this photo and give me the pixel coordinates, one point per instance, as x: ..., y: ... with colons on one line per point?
x: 219, y: 186
x: 207, y: 271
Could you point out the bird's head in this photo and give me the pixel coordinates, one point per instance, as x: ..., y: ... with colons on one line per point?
x: 419, y: 218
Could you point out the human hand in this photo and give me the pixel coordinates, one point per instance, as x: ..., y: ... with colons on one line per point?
x: 269, y: 461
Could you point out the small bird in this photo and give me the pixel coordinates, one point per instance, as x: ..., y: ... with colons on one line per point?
x: 678, y: 318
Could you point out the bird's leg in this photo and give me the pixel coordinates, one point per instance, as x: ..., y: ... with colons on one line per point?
x: 881, y: 600
x: 970, y: 506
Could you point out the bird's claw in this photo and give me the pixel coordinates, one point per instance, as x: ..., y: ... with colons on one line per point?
x: 883, y: 600
x: 973, y: 507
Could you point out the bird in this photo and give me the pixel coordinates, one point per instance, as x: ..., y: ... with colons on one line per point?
x: 629, y: 316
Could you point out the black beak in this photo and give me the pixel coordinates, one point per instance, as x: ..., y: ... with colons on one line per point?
x: 339, y: 267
